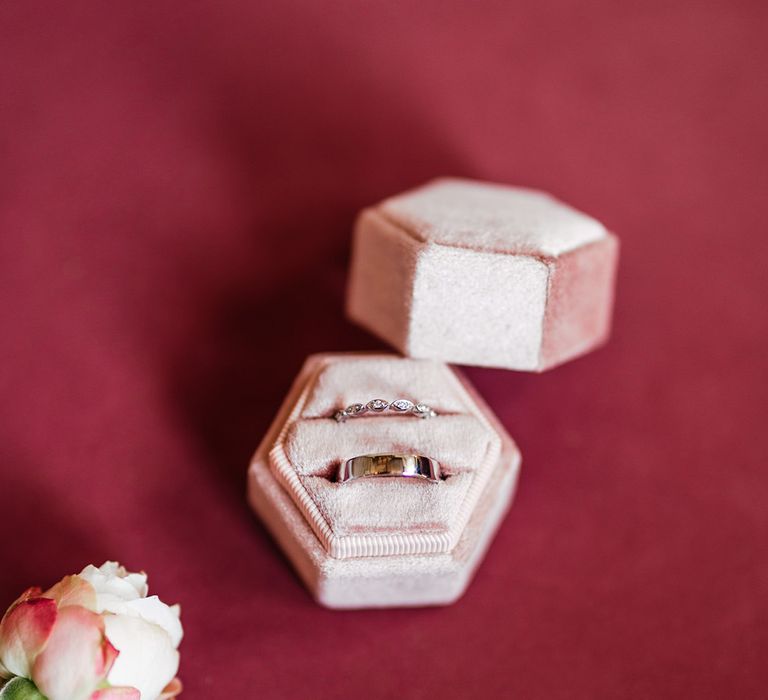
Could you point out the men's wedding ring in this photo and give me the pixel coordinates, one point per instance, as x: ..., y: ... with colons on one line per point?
x: 408, y: 466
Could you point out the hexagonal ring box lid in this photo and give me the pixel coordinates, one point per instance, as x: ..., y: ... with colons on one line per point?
x: 480, y: 274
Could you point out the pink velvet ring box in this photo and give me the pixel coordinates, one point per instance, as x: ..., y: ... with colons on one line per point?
x: 455, y: 271
x: 383, y: 541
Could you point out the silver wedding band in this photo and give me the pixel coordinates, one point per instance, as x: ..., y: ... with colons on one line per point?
x: 380, y: 406
x: 408, y: 466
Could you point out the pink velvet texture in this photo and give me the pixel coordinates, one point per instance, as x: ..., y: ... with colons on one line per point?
x: 482, y: 274
x: 314, y: 445
x: 380, y: 541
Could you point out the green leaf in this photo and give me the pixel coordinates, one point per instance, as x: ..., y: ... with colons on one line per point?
x: 21, y: 689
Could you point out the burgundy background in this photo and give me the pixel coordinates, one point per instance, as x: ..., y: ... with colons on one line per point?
x: 178, y: 186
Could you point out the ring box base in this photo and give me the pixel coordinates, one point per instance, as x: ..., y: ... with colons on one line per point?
x: 379, y: 581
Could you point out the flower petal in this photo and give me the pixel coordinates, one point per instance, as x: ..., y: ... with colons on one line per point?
x: 33, y: 592
x: 73, y: 590
x: 116, y: 693
x: 148, y: 661
x: 113, y: 581
x: 152, y: 610
x: 110, y: 656
x: 77, y: 657
x: 171, y: 690
x: 24, y: 631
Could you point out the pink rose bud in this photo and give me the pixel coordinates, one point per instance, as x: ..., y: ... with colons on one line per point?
x: 93, y: 636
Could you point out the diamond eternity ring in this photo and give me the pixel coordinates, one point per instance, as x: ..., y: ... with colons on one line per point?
x: 380, y: 405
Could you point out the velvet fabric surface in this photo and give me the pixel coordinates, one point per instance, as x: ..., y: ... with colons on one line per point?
x: 402, y: 567
x: 178, y: 184
x: 311, y: 445
x: 480, y: 274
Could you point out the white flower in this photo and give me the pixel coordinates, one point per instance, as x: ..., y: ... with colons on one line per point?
x: 145, y: 631
x: 147, y: 661
x: 92, y: 636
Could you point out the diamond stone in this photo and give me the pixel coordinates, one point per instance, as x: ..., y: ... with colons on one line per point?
x: 378, y: 405
x: 424, y: 411
x: 354, y: 409
x: 402, y: 405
